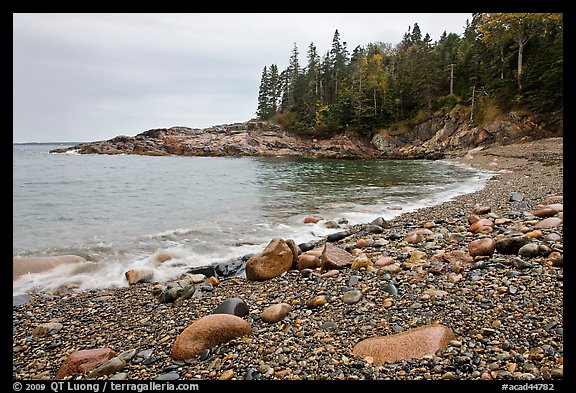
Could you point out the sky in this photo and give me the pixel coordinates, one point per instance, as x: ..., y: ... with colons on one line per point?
x: 93, y: 76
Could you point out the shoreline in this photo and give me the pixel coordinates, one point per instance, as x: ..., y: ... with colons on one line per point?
x: 316, y: 343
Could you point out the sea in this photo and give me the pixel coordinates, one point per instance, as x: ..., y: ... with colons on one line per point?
x: 123, y: 211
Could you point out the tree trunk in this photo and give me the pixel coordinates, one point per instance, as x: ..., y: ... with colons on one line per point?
x: 520, y: 53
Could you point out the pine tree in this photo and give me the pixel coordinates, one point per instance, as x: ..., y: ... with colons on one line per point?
x: 263, y: 111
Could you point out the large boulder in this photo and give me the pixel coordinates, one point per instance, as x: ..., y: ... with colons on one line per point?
x: 208, y: 332
x: 276, y: 259
x: 411, y: 344
x: 26, y: 265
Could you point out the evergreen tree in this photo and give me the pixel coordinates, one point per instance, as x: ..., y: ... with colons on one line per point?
x: 263, y: 111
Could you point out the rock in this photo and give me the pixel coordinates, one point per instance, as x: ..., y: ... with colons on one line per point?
x: 305, y: 247
x: 232, y: 306
x: 334, y: 257
x: 482, y: 247
x: 480, y: 224
x: 545, y: 212
x: 418, y: 235
x: 556, y: 259
x: 312, y: 219
x: 80, y: 362
x: 529, y: 250
x: 47, y: 329
x: 208, y: 332
x: 352, y: 296
x: 381, y: 222
x: 482, y: 210
x: 511, y: 245
x: 516, y: 197
x: 171, y: 376
x: 316, y: 301
x: 384, y: 261
x: 551, y: 222
x: 27, y: 265
x: 362, y: 243
x: 275, y: 312
x: 159, y: 257
x: 308, y: 261
x: 393, y: 268
x: 411, y: 344
x: 362, y: 261
x: 111, y: 366
x: 391, y: 289
x: 276, y: 259
x: 334, y: 237
x: 139, y: 275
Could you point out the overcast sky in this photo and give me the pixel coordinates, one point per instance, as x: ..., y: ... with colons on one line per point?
x: 88, y: 77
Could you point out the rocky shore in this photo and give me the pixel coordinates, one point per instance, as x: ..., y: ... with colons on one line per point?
x: 471, y: 289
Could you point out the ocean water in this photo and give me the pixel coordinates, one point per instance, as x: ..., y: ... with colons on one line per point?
x: 121, y: 211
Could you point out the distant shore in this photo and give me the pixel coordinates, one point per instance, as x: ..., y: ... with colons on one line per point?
x: 505, y: 309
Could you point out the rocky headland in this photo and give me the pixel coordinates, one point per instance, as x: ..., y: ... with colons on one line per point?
x: 432, y: 138
x: 471, y: 289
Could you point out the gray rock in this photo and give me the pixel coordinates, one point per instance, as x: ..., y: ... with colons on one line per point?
x: 352, y: 296
x: 232, y: 306
x: 529, y: 250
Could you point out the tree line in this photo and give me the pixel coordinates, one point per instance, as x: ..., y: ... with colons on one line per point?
x: 503, y: 61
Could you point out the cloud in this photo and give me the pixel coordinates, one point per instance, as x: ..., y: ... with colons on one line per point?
x: 82, y: 77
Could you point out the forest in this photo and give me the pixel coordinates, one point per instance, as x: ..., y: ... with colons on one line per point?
x: 502, y: 62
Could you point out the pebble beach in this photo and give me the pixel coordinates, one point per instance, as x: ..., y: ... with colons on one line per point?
x: 502, y: 306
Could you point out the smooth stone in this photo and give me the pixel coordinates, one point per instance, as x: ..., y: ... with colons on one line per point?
x: 208, y: 332
x: 516, y: 197
x: 316, y: 301
x: 482, y: 247
x: 391, y: 289
x: 328, y: 325
x: 410, y: 344
x: 276, y: 312
x: 334, y: 237
x: 305, y: 247
x: 550, y: 222
x: 171, y: 376
x: 511, y: 245
x: 529, y: 250
x: 232, y: 306
x: 352, y: 296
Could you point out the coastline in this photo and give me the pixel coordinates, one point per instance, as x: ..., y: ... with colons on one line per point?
x: 317, y: 343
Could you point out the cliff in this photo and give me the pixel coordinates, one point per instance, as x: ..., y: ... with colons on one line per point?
x: 432, y: 138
